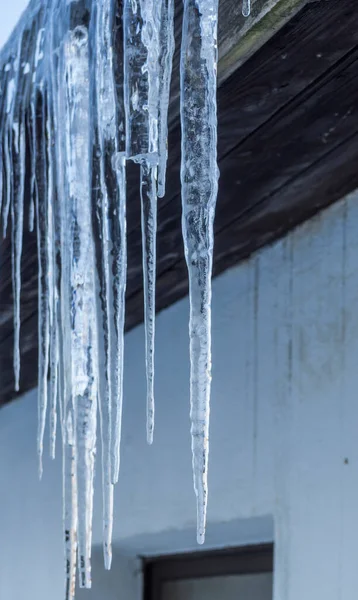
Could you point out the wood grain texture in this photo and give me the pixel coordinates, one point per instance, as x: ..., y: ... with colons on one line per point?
x: 288, y: 147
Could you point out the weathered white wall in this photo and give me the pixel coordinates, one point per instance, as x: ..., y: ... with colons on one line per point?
x: 284, y: 433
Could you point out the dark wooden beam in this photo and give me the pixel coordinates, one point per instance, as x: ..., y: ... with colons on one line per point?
x: 288, y: 147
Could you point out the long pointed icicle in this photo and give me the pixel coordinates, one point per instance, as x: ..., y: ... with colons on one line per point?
x: 118, y: 234
x: 119, y: 285
x: 43, y: 282
x: 18, y: 151
x: 148, y: 192
x: 63, y: 95
x: 199, y: 177
x: 110, y: 200
x: 80, y: 284
x: 151, y: 11
x: 142, y: 29
x: 17, y: 231
x: 53, y: 276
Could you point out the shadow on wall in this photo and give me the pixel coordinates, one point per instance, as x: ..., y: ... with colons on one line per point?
x: 124, y: 580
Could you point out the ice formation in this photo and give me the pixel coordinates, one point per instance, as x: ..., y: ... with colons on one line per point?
x: 84, y: 88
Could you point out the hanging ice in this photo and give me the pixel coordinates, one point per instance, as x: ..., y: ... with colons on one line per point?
x: 108, y: 180
x: 199, y: 177
x: 148, y: 51
x: 85, y: 87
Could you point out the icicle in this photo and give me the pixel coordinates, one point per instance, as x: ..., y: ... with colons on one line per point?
x: 246, y: 7
x: 199, y: 176
x: 18, y: 149
x: 109, y: 173
x: 167, y: 45
x: 79, y: 280
x: 142, y: 28
x: 120, y: 277
x: 116, y: 171
x: 53, y: 279
x: 17, y: 212
x: 43, y: 282
x: 148, y: 187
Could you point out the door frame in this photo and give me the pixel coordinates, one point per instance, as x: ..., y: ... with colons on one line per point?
x: 234, y: 561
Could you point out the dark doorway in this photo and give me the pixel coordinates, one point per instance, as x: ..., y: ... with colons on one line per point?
x: 237, y: 574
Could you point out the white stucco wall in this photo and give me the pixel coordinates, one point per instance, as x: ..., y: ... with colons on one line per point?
x: 284, y: 433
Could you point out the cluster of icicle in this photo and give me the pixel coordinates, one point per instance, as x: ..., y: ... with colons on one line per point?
x: 84, y: 88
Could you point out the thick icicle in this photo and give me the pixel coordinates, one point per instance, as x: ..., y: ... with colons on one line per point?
x: 199, y: 177
x: 80, y: 281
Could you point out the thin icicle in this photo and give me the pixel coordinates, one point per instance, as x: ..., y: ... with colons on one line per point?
x: 148, y: 190
x: 53, y: 278
x: 43, y: 282
x: 143, y: 28
x: 120, y: 279
x: 116, y: 174
x: 167, y: 46
x: 111, y: 259
x: 199, y: 177
x: 18, y: 150
x: 17, y: 212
